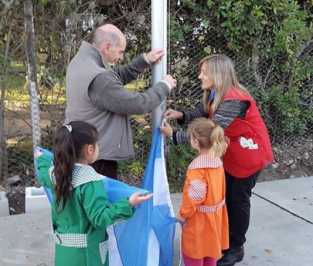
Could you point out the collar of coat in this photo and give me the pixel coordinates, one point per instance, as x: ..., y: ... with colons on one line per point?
x: 205, y: 161
x: 89, y: 50
x: 83, y: 174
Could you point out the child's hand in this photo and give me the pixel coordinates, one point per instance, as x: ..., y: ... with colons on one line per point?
x: 166, y: 129
x: 38, y: 152
x: 137, y: 198
x: 180, y: 219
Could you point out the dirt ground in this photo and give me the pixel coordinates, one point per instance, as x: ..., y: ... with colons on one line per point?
x: 292, y: 160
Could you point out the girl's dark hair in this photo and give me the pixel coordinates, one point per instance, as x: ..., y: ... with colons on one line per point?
x: 68, y: 143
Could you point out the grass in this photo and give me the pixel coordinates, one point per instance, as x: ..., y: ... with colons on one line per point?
x: 137, y: 85
x: 17, y: 91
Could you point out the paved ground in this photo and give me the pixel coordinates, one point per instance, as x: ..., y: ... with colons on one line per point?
x: 280, y: 234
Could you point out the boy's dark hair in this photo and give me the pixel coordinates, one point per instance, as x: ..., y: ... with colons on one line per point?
x: 68, y: 143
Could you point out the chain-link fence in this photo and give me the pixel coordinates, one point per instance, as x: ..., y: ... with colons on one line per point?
x: 284, y: 92
x: 269, y: 74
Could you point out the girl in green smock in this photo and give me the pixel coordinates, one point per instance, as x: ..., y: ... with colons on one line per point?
x: 80, y: 208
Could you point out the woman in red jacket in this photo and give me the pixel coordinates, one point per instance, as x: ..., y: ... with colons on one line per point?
x: 230, y: 105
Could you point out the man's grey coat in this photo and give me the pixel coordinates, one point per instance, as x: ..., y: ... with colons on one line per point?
x: 95, y: 94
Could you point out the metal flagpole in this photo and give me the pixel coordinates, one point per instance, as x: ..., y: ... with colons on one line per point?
x: 159, y: 40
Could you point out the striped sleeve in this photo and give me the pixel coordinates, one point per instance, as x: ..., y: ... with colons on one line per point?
x: 224, y: 116
x: 228, y: 111
x: 180, y: 137
x: 190, y: 115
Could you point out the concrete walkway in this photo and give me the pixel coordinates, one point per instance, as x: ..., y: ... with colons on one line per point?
x: 280, y: 234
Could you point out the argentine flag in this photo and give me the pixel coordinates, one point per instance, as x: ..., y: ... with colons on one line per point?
x: 147, y: 238
x: 116, y: 190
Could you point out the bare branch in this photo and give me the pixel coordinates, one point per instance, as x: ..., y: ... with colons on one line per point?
x: 306, y: 48
x: 267, y: 75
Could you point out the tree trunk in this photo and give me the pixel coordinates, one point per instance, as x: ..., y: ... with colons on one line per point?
x: 31, y: 70
x: 3, y: 81
x: 255, y: 67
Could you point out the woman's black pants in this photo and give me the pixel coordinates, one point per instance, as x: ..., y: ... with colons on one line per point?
x: 238, y: 193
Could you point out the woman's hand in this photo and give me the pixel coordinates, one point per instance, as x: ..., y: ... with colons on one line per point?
x: 137, y: 198
x: 171, y: 114
x: 166, y: 129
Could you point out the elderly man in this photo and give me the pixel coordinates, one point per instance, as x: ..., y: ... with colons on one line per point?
x: 95, y: 94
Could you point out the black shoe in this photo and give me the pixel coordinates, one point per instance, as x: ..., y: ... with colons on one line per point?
x: 231, y: 256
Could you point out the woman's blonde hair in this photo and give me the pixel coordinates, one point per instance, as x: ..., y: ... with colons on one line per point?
x: 221, y: 70
x: 210, y: 135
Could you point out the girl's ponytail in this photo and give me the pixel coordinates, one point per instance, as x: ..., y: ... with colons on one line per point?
x: 64, y: 161
x: 68, y: 145
x: 218, y: 141
x: 210, y: 135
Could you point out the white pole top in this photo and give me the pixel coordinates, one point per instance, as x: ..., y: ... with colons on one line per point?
x: 159, y: 40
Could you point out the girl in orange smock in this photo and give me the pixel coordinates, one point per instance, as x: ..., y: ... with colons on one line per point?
x: 203, y: 210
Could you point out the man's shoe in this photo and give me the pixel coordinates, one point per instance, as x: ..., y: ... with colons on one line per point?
x: 231, y: 256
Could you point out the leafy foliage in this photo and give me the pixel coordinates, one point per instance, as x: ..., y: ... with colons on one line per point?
x: 270, y: 41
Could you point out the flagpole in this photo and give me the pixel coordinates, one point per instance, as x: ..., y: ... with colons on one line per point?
x: 159, y: 40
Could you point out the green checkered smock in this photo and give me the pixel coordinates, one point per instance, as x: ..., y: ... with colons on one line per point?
x: 80, y: 227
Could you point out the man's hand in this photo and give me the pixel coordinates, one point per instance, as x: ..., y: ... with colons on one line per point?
x: 170, y: 81
x: 154, y: 55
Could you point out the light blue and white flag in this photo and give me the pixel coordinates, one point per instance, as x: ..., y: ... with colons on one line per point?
x: 116, y: 190
x: 147, y: 238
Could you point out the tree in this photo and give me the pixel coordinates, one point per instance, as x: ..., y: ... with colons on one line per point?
x: 6, y: 26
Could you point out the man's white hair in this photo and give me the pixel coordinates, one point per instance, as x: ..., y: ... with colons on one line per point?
x: 107, y: 36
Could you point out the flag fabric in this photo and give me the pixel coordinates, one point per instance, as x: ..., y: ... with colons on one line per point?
x: 147, y: 239
x: 116, y: 190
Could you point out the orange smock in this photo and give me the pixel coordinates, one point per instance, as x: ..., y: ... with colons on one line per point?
x: 205, y: 232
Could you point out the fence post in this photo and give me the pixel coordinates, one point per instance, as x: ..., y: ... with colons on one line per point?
x: 159, y: 40
x: 31, y: 70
